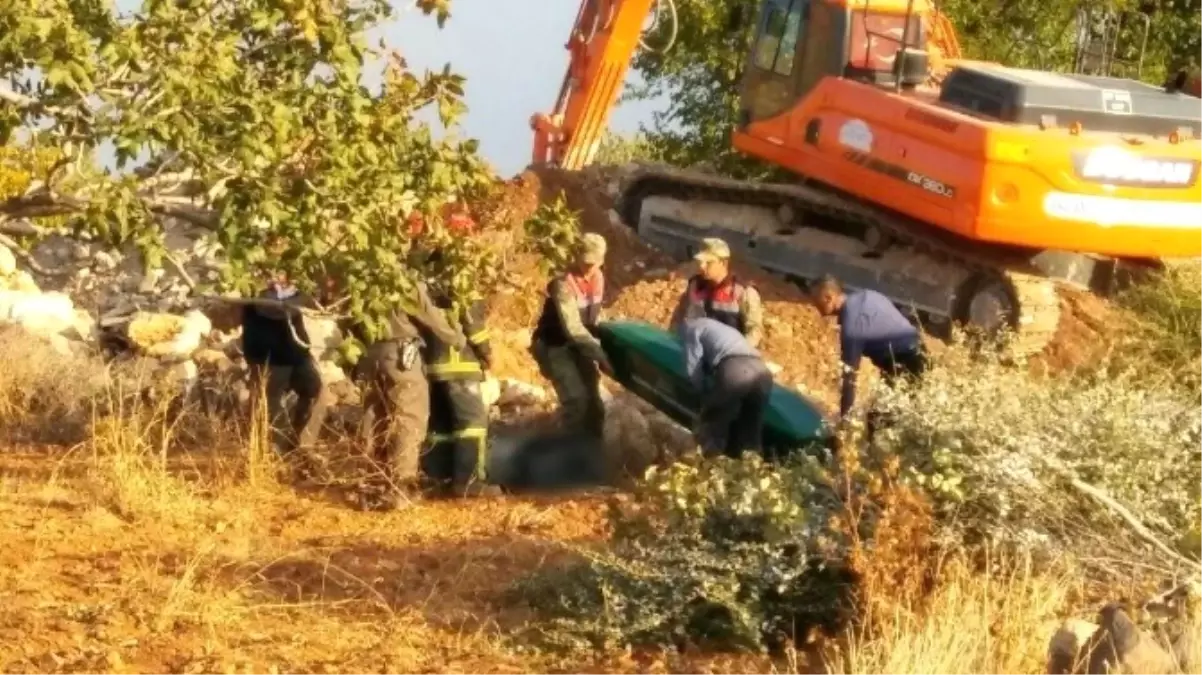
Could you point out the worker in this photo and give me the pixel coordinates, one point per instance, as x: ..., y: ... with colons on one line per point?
x: 734, y: 382
x: 563, y: 345
x: 869, y: 326
x: 397, y: 399
x: 722, y: 296
x: 458, y: 430
x: 275, y: 345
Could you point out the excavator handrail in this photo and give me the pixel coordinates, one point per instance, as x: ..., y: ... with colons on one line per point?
x: 943, y: 36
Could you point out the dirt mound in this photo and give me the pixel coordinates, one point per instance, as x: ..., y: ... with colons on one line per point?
x: 1089, y: 329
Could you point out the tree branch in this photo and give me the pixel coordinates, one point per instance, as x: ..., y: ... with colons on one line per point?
x: 49, y: 204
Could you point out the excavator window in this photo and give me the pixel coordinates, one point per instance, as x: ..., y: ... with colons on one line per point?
x: 777, y: 44
x: 875, y: 40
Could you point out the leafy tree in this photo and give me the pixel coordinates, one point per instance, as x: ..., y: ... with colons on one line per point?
x: 698, y: 73
x: 259, y: 127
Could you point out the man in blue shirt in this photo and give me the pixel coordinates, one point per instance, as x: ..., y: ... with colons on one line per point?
x: 734, y: 382
x: 869, y: 326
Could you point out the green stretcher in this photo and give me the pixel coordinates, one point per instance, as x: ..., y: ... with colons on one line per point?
x: 648, y: 362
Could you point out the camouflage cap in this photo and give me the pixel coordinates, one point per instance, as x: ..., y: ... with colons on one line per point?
x: 591, y: 249
x: 712, y: 248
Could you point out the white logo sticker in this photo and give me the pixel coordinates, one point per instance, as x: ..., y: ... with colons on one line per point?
x: 1117, y: 166
x: 857, y: 135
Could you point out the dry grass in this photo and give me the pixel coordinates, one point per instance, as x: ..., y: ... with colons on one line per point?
x: 166, y: 543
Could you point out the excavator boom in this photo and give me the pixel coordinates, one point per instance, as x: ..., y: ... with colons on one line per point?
x: 601, y: 46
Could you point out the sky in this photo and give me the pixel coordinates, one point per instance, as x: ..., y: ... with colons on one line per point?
x: 511, y: 53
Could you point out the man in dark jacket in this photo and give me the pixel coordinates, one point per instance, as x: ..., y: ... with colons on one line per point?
x: 397, y: 400
x: 275, y: 345
x: 734, y: 382
x: 871, y: 327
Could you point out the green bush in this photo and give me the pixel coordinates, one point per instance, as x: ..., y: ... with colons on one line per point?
x: 729, y: 554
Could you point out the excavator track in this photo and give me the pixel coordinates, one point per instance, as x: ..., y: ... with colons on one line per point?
x: 1033, y: 311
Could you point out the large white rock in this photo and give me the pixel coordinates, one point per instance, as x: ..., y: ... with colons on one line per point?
x: 324, y: 336
x: 8, y: 261
x: 168, y: 336
x: 39, y: 313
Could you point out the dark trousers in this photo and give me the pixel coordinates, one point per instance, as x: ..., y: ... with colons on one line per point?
x: 734, y: 406
x: 275, y: 382
x: 577, y: 383
x: 396, y: 411
x: 895, y: 368
x: 458, y: 433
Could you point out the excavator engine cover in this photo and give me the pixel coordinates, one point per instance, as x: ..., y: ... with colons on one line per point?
x: 1104, y: 104
x: 648, y: 362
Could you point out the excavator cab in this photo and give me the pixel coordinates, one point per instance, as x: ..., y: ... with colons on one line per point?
x: 799, y: 42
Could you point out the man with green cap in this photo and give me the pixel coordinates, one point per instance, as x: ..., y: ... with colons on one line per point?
x: 716, y: 294
x: 567, y: 352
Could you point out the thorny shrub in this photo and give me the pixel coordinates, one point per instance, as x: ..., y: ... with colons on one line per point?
x: 731, y: 554
x: 998, y: 452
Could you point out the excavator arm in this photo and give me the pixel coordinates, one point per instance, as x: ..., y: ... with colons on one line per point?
x: 601, y: 46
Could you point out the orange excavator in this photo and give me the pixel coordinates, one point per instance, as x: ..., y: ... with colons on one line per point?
x: 965, y: 191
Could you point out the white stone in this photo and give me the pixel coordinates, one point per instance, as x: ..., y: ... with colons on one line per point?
x: 8, y: 261
x: 104, y: 260
x: 39, y: 313
x: 490, y: 391
x: 324, y: 336
x: 330, y: 372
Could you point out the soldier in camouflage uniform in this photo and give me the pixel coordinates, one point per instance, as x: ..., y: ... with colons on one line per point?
x: 397, y: 401
x: 720, y: 296
x: 567, y: 352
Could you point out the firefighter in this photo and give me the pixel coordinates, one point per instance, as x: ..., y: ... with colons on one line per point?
x: 397, y: 400
x: 567, y: 352
x: 275, y: 345
x: 720, y: 295
x: 458, y: 431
